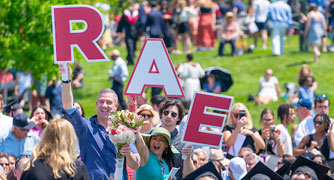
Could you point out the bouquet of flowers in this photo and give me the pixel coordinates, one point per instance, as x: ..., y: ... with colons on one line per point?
x: 122, y: 128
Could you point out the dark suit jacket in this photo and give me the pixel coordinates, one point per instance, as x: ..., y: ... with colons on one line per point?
x: 155, y: 23
x: 131, y: 30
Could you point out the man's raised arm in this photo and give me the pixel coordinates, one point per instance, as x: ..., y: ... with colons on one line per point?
x: 66, y: 93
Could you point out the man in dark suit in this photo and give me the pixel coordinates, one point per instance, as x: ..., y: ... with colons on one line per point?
x: 155, y: 22
x: 132, y: 25
x: 155, y: 26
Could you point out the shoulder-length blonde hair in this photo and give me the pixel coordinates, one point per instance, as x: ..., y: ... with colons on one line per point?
x: 236, y: 109
x: 57, y: 147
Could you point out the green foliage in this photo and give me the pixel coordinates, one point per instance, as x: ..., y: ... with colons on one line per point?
x: 26, y: 34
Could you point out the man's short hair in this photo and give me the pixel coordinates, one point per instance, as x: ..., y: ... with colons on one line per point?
x: 158, y: 99
x: 189, y: 57
x: 321, y: 98
x: 283, y: 111
x: 253, y: 155
x: 172, y: 102
x: 108, y: 90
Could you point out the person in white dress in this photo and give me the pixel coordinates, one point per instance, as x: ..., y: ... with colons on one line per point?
x: 190, y: 72
x: 269, y: 88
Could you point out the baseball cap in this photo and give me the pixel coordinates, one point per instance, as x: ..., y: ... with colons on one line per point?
x: 22, y: 120
x: 304, y: 103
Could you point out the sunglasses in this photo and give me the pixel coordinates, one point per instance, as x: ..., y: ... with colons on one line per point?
x: 322, y: 96
x: 167, y: 112
x: 4, y: 164
x: 318, y: 122
x: 146, y: 115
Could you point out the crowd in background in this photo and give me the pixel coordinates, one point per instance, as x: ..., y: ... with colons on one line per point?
x: 40, y: 138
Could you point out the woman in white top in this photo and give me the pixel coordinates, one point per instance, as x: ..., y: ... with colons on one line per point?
x: 190, y: 72
x: 269, y: 88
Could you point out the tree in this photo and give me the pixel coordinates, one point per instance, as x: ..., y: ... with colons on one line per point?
x: 26, y: 34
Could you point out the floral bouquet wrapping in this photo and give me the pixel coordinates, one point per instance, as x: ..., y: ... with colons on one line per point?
x: 122, y: 128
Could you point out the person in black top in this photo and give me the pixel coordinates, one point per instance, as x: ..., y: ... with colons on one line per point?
x: 240, y: 129
x: 55, y: 156
x: 322, y: 139
x: 270, y: 135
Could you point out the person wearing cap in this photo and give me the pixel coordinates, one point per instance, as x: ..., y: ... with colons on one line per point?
x: 156, y: 155
x: 237, y: 168
x: 96, y: 149
x: 303, y: 109
x: 261, y: 172
x: 322, y: 139
x: 150, y: 117
x: 19, y: 141
x: 118, y: 74
x: 306, y: 127
x: 311, y: 169
x: 230, y: 34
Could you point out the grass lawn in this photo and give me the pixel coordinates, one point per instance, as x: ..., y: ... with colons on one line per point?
x: 246, y: 71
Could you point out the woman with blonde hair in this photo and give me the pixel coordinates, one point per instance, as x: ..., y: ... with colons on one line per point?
x: 55, y: 156
x: 239, y: 131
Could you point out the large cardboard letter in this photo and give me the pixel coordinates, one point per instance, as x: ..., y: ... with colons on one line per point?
x: 199, y: 118
x: 155, y: 69
x: 65, y: 38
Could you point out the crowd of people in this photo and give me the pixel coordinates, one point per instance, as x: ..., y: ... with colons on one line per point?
x: 57, y: 141
x: 198, y: 24
x: 74, y: 147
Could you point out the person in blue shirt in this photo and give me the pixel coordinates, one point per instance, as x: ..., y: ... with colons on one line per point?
x: 96, y: 149
x: 19, y: 141
x: 281, y: 15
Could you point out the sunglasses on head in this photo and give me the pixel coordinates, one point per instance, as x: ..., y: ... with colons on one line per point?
x: 146, y: 115
x: 166, y: 112
x: 322, y: 96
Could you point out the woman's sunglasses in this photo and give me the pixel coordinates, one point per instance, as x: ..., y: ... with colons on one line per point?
x: 146, y: 115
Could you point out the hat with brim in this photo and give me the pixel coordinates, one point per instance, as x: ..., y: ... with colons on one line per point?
x: 229, y: 15
x: 218, y: 155
x: 319, y: 169
x: 160, y: 131
x: 155, y: 115
x: 22, y: 120
x: 207, y: 169
x: 261, y: 168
